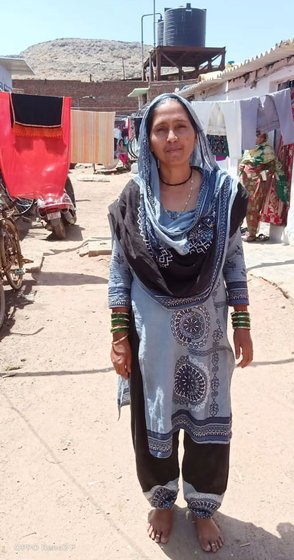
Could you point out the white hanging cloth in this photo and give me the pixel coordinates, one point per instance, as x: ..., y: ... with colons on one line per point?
x: 222, y: 118
x: 240, y: 119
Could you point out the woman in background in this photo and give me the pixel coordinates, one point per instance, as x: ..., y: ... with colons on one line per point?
x: 262, y: 175
x: 122, y: 153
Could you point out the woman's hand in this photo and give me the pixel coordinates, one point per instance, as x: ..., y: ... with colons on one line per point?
x: 243, y: 347
x: 121, y: 358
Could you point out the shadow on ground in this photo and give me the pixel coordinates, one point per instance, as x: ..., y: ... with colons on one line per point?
x: 15, y: 300
x: 243, y: 540
x: 24, y: 225
x: 66, y: 279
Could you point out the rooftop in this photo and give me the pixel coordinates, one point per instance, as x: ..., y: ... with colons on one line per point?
x: 15, y: 65
x: 284, y: 49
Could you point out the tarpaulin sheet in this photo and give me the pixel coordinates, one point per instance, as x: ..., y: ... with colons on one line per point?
x: 33, y: 166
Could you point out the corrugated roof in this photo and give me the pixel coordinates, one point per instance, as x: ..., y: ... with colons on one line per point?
x: 138, y: 91
x: 15, y: 65
x: 284, y: 49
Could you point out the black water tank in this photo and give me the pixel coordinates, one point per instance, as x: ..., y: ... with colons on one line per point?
x: 160, y: 25
x: 184, y: 27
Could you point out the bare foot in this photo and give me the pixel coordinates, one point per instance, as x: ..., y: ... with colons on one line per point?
x: 160, y: 525
x: 208, y: 534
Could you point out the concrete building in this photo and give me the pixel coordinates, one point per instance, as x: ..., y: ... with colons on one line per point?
x: 10, y: 66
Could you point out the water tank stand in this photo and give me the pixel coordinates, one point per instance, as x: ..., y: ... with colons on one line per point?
x: 201, y: 59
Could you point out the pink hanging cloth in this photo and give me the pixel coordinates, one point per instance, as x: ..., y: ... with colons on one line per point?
x: 34, y: 164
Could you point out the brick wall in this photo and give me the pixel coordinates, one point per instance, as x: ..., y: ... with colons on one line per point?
x: 109, y: 95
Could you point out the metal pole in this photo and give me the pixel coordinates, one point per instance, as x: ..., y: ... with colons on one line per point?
x: 154, y: 36
x: 142, y: 40
x: 142, y: 49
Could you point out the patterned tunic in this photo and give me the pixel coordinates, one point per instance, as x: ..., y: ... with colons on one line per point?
x: 185, y: 357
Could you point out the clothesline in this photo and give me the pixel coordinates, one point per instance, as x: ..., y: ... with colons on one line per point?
x: 239, y: 120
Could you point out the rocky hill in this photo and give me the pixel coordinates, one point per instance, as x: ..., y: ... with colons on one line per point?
x: 78, y: 59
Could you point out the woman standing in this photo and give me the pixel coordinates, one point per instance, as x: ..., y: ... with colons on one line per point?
x: 177, y: 263
x: 262, y: 175
x: 122, y: 153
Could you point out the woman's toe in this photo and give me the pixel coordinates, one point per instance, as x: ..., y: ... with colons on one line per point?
x: 220, y: 541
x: 158, y: 537
x: 164, y: 539
x: 151, y: 532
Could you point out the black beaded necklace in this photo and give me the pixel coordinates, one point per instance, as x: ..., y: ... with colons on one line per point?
x: 177, y: 184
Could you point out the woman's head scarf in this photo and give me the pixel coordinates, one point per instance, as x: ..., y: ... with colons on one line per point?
x: 260, y: 154
x: 201, y: 155
x: 184, y: 257
x: 175, y: 236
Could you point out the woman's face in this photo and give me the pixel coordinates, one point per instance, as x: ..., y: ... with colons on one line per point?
x: 260, y: 138
x: 172, y: 136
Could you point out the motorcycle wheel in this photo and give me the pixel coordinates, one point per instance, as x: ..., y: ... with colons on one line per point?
x: 2, y: 304
x: 11, y: 255
x: 70, y: 191
x: 58, y: 228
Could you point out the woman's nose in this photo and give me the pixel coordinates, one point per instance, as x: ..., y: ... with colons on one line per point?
x: 171, y: 137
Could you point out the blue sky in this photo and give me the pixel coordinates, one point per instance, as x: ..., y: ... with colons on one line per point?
x: 245, y: 28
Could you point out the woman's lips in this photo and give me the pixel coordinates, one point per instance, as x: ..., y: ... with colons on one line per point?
x: 173, y: 149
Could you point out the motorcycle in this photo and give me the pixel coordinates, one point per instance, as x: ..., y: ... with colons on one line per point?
x: 58, y: 212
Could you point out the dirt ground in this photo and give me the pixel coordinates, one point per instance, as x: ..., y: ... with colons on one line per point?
x: 68, y: 482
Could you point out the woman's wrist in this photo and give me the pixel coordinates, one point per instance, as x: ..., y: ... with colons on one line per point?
x: 241, y: 317
x: 120, y: 322
x: 123, y: 338
x: 240, y: 307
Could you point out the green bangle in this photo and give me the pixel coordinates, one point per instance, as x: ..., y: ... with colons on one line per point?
x: 119, y: 329
x: 119, y: 320
x: 236, y: 314
x: 119, y: 314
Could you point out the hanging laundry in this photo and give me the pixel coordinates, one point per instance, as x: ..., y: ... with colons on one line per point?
x: 33, y: 165
x: 248, y: 108
x: 232, y: 115
x: 240, y: 119
x: 219, y: 146
x: 222, y: 118
x: 203, y: 111
x: 36, y: 115
x: 92, y: 137
x: 275, y: 112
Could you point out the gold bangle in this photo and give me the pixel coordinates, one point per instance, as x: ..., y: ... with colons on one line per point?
x: 120, y: 339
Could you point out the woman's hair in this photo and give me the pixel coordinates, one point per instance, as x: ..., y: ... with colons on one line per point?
x: 168, y: 97
x: 264, y: 134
